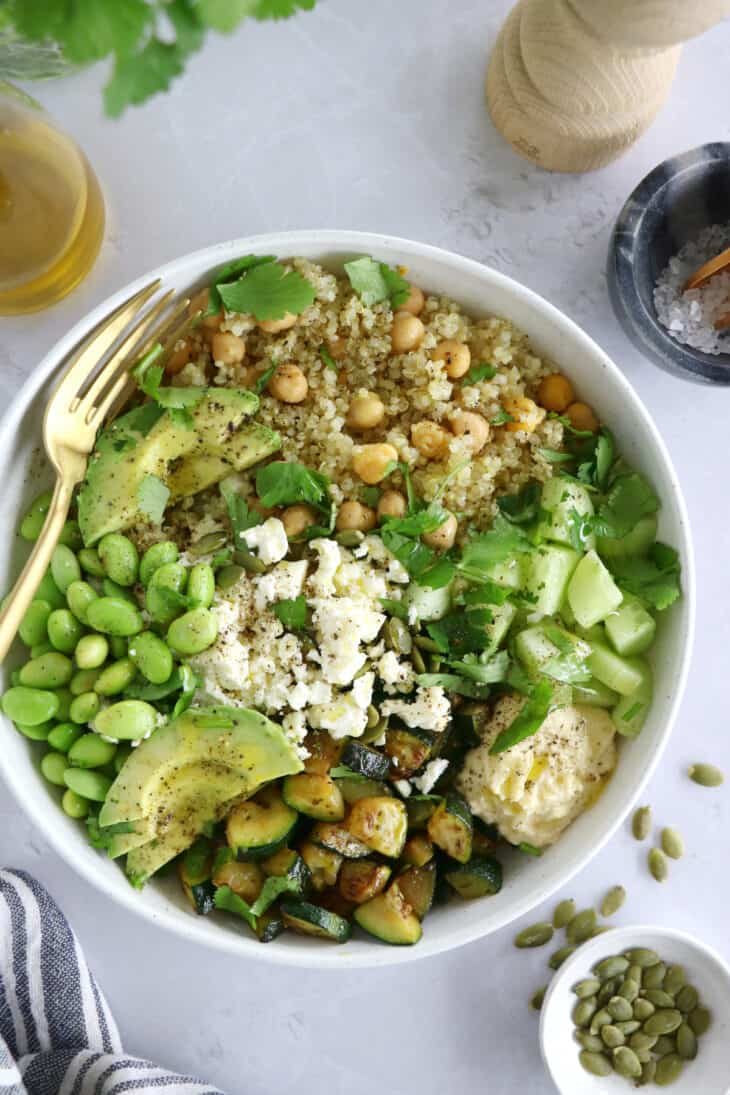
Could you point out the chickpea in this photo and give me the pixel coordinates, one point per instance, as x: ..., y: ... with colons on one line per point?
x: 392, y: 504
x: 227, y: 348
x: 431, y: 440
x: 407, y: 333
x: 555, y: 393
x: 179, y: 357
x: 456, y: 356
x: 371, y: 461
x: 415, y: 302
x: 354, y: 515
x: 442, y: 538
x: 365, y: 412
x: 289, y: 384
x: 473, y: 427
x: 582, y: 417
x: 274, y: 326
x: 337, y: 348
x: 263, y: 511
x: 296, y: 519
x: 526, y: 415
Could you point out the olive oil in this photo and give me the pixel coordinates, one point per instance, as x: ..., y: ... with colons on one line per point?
x: 51, y: 211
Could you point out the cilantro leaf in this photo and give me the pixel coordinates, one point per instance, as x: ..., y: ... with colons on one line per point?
x: 629, y: 499
x: 264, y: 378
x: 394, y: 608
x: 484, y: 593
x: 491, y: 671
x: 523, y: 507
x: 292, y: 612
x: 415, y: 556
x: 655, y: 578
x: 284, y: 482
x: 280, y: 9
x: 224, y: 15
x: 501, y: 417
x: 478, y: 372
x: 230, y: 273
x: 528, y: 721
x: 189, y: 32
x: 580, y: 527
x: 182, y: 677
x: 553, y: 456
x: 268, y: 291
x: 239, y: 514
x: 452, y: 682
x: 100, y: 836
x: 461, y: 632
x: 327, y: 358
x: 340, y: 771
x: 370, y: 496
x: 376, y: 281
x: 229, y: 901
x: 94, y: 28
x: 604, y: 456
x: 438, y: 574
x: 177, y: 401
x: 152, y: 496
x: 398, y: 288
x: 503, y: 540
x: 633, y: 711
x: 139, y: 75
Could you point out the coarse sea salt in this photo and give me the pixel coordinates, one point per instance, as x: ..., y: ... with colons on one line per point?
x: 690, y: 316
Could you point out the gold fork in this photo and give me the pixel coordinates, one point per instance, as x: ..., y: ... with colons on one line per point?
x: 84, y: 398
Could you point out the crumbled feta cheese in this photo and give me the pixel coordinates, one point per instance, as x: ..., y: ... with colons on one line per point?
x: 429, y: 711
x: 403, y: 786
x: 340, y: 625
x: 362, y: 690
x: 329, y: 558
x: 269, y: 539
x: 396, y: 676
x: 343, y: 717
x: 295, y: 728
x: 431, y: 774
x: 283, y: 582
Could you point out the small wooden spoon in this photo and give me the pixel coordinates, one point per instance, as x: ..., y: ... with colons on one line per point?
x: 703, y: 275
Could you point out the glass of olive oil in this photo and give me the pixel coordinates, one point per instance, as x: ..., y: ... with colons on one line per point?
x: 51, y: 208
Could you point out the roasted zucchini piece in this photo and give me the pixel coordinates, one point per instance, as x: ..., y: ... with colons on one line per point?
x: 381, y: 823
x: 480, y: 877
x: 418, y: 885
x: 450, y: 828
x: 332, y: 899
x: 419, y: 809
x: 323, y: 864
x: 353, y: 789
x: 408, y: 750
x: 315, y: 796
x: 269, y: 925
x: 417, y: 850
x: 484, y: 838
x: 308, y: 919
x: 389, y: 918
x: 324, y: 752
x: 365, y: 760
x: 245, y: 879
x: 361, y: 879
x: 194, y: 868
x: 334, y: 836
x: 260, y: 826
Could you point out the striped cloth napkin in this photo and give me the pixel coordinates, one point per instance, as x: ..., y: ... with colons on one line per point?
x: 57, y: 1035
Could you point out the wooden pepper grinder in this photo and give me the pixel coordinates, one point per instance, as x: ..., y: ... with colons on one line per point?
x: 572, y: 83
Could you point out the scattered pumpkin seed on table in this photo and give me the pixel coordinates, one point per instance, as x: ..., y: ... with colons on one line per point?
x: 564, y: 913
x: 559, y: 956
x: 658, y: 865
x: 672, y: 843
x: 537, y: 935
x: 641, y: 823
x: 581, y: 926
x: 613, y: 901
x: 706, y: 775
x: 537, y: 998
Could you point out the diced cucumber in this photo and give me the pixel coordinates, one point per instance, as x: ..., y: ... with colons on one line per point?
x: 630, y: 628
x: 636, y: 542
x: 533, y: 648
x: 502, y: 617
x: 595, y: 694
x: 549, y: 572
x: 592, y: 592
x: 510, y: 574
x: 630, y: 712
x: 559, y: 498
x: 427, y: 603
x: 624, y: 675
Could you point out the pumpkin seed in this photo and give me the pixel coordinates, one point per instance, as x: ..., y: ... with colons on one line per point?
x: 644, y: 1055
x: 373, y: 718
x: 611, y: 1036
x: 595, y: 1063
x: 658, y: 865
x: 687, y: 999
x: 559, y: 956
x: 612, y: 966
x: 635, y: 973
x: 584, y: 1011
x: 417, y: 659
x: 648, y: 1072
x: 564, y: 913
x: 424, y: 643
x: 641, y: 823
x: 350, y: 537
x: 608, y: 989
x: 619, y: 1009
x: 206, y: 545
x: 707, y: 775
x: 599, y: 930
x: 700, y: 1019
x: 613, y: 901
x: 664, y: 1044
x: 654, y: 976
x: 626, y: 1063
x: 537, y: 935
x: 659, y: 998
x: 229, y: 576
x: 588, y: 1041
x: 642, y: 956
x: 686, y: 1042
x: 628, y: 1026
x: 668, y: 1070
x: 599, y: 1020
x: 397, y: 636
x: 643, y: 1009
x: 629, y: 990
x: 588, y: 987
x: 664, y: 1021
x: 673, y: 980
x: 537, y: 998
x: 581, y: 926
x: 672, y: 843
x: 640, y: 1041
x: 250, y: 562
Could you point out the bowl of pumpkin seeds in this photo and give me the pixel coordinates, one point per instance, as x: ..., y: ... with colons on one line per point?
x: 639, y: 1007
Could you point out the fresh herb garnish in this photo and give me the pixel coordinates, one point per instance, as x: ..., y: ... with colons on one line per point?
x: 629, y: 499
x: 491, y: 671
x: 241, y: 517
x: 286, y: 482
x: 152, y: 496
x: 502, y: 541
x: 484, y: 593
x: 101, y: 836
x: 501, y: 417
x: 528, y: 721
x: 478, y: 372
x: 292, y: 612
x: 452, y: 682
x: 225, y: 899
x: 328, y: 359
x: 522, y: 508
x: 554, y: 456
x: 580, y: 528
x: 376, y: 281
x: 178, y: 402
x: 229, y: 273
x: 268, y: 291
x: 272, y: 888
x: 395, y: 608
x: 654, y: 578
x: 370, y: 496
x: 461, y: 632
x: 263, y: 379
x: 189, y: 684
x: 529, y: 849
x: 341, y: 771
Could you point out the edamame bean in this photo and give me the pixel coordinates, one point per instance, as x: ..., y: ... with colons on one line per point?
x: 83, y: 681
x: 119, y: 558
x: 118, y: 646
x: 53, y: 766
x: 62, y: 736
x: 79, y: 596
x: 115, y: 677
x: 64, y: 630
x: 49, y: 591
x: 49, y: 671
x: 201, y: 586
x: 123, y: 751
x: 64, y: 567
x: 85, y: 707
x: 91, y: 651
x: 91, y: 751
x: 155, y: 557
x: 41, y: 732
x: 34, y: 625
x: 128, y: 720
x: 151, y: 656
x: 64, y: 703
x: 41, y: 648
x: 193, y: 632
x: 162, y: 600
x: 29, y: 706
x: 15, y: 678
x: 91, y: 563
x: 113, y: 589
x: 71, y: 535
x: 90, y: 785
x: 114, y: 616
x: 74, y: 805
x: 32, y: 523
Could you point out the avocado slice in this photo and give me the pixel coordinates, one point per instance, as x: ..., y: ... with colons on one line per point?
x: 149, y: 440
x: 186, y: 774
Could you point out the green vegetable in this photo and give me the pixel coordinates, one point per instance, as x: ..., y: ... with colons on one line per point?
x: 501, y: 417
x: 503, y: 540
x: 528, y: 721
x: 328, y: 359
x: 228, y: 901
x: 285, y: 482
x: 152, y: 496
x: 268, y: 291
x: 629, y: 499
x: 478, y: 372
x: 292, y: 612
x: 655, y: 578
x: 230, y: 273
x: 522, y: 508
x: 376, y: 281
x: 265, y: 377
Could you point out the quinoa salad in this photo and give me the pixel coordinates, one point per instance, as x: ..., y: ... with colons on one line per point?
x: 356, y: 599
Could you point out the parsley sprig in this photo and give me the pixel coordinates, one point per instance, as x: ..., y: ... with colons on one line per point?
x: 375, y: 282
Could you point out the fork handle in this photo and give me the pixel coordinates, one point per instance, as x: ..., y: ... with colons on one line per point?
x: 24, y: 590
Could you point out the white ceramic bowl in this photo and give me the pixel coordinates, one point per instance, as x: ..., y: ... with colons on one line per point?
x: 709, y: 1074
x: 528, y: 881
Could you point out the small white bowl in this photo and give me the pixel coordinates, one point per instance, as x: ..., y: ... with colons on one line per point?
x: 709, y: 1074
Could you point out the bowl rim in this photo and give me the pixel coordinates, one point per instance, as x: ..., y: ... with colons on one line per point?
x: 288, y: 243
